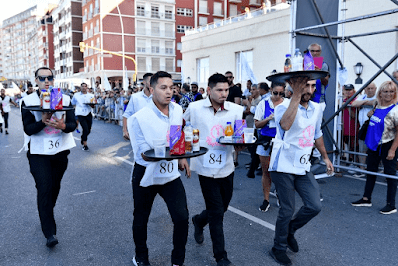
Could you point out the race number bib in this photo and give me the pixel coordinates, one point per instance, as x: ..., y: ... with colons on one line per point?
x: 166, y: 169
x: 215, y: 159
x: 302, y: 160
x: 52, y: 145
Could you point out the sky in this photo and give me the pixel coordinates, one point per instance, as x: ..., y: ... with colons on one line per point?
x: 13, y: 7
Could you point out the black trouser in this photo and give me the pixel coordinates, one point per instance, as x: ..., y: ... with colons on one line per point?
x: 48, y: 170
x: 217, y: 193
x: 255, y: 159
x: 5, y: 116
x: 373, y: 161
x: 173, y: 193
x: 85, y: 122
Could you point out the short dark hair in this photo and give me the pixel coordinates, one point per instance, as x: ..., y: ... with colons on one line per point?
x: 263, y: 86
x: 228, y: 72
x: 43, y: 68
x: 186, y: 87
x: 216, y: 78
x: 83, y: 83
x: 276, y: 84
x: 147, y: 75
x: 158, y: 75
x: 29, y: 85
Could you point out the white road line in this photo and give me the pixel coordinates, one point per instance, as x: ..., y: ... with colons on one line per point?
x: 124, y: 160
x: 361, y: 179
x: 77, y: 194
x: 252, y: 218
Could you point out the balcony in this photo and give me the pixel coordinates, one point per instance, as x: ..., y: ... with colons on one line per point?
x: 155, y: 33
x: 156, y: 50
x: 90, y: 33
x: 204, y: 10
x: 96, y: 29
x: 156, y: 15
x: 218, y: 13
x: 255, y: 2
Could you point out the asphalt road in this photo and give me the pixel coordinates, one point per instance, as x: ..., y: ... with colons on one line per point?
x: 94, y: 214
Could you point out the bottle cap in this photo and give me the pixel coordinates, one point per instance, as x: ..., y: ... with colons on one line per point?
x: 288, y: 55
x: 228, y: 123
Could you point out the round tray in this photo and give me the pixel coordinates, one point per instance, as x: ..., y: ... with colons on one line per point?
x: 37, y: 108
x: 283, y: 77
x: 235, y: 141
x: 91, y: 103
x: 150, y: 154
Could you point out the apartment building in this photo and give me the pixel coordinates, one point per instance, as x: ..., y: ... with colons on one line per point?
x: 45, y: 40
x: 67, y: 30
x: 18, y: 45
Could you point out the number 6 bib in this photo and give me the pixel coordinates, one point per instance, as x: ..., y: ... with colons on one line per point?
x: 166, y: 169
x: 214, y: 159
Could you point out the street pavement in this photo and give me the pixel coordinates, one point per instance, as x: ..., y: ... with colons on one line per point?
x: 94, y: 214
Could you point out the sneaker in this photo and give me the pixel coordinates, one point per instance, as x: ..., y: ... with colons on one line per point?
x: 353, y: 169
x: 362, y: 203
x: 6, y: 132
x: 51, y: 241
x: 358, y: 175
x: 198, y: 234
x: 292, y: 243
x: 321, y: 197
x: 140, y: 262
x: 247, y: 165
x: 224, y: 262
x: 236, y: 164
x: 388, y: 209
x: 280, y: 256
x: 85, y: 148
x: 265, y: 206
x: 250, y: 174
x: 1, y: 130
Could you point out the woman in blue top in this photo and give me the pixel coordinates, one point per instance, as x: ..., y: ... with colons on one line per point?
x: 382, y: 141
x: 265, y: 123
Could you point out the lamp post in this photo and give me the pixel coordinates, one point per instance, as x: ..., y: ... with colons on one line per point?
x: 189, y: 80
x: 358, y: 68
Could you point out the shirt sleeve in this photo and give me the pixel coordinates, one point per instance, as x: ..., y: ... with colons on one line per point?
x: 318, y: 129
x: 30, y: 125
x: 138, y: 140
x: 279, y: 111
x: 259, y: 114
x: 74, y: 101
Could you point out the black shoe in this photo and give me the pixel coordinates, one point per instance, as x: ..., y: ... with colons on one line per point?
x: 362, y: 203
x: 292, y: 243
x: 140, y: 262
x: 85, y: 148
x: 265, y: 206
x: 236, y: 164
x: 250, y: 174
x: 224, y: 262
x: 198, y: 234
x: 1, y: 130
x: 6, y: 132
x: 247, y: 165
x: 51, y: 241
x: 388, y: 209
x: 280, y: 256
x: 259, y: 172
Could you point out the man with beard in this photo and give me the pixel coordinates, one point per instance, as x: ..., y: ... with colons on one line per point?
x: 196, y: 94
x: 298, y: 124
x: 235, y: 93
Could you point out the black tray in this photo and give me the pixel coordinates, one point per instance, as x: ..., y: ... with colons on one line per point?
x: 150, y: 154
x: 235, y: 141
x: 91, y: 103
x: 283, y: 77
x: 37, y: 108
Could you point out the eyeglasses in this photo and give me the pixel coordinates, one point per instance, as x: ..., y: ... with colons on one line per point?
x: 43, y: 78
x: 229, y: 77
x: 315, y: 51
x: 281, y: 93
x: 388, y: 91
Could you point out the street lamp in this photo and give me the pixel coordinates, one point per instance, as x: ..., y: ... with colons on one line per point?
x: 358, y: 68
x: 189, y: 80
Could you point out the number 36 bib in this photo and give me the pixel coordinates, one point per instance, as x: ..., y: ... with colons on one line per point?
x: 215, y: 159
x: 51, y: 145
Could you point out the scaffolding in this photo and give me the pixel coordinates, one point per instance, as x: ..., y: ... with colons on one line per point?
x: 339, y: 106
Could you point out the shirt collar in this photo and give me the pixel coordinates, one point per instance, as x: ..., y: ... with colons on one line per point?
x: 310, y: 106
x: 160, y: 113
x: 144, y: 95
x: 225, y: 106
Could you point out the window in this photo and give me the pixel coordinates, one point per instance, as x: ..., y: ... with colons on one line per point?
x: 233, y: 10
x: 217, y: 10
x: 203, y: 7
x: 140, y: 10
x: 141, y: 44
x: 203, y: 69
x: 179, y: 63
x: 96, y: 9
x: 168, y: 13
x: 141, y: 63
x: 169, y: 64
x: 155, y: 46
x: 240, y: 59
x: 155, y: 12
x: 90, y: 14
x: 183, y: 28
x: 169, y: 47
x: 169, y: 30
x: 141, y: 27
x: 155, y: 64
x: 202, y: 21
x: 179, y: 46
x: 155, y: 26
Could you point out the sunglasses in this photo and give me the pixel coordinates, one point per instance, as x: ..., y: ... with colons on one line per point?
x: 315, y: 51
x: 43, y: 78
x: 281, y: 93
x: 229, y: 77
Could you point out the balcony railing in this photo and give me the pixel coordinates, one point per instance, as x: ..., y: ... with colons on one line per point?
x: 157, y: 33
x: 156, y: 50
x: 157, y: 15
x: 255, y: 2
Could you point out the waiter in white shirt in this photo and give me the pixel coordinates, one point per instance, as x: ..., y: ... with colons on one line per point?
x: 48, y: 139
x: 137, y: 102
x: 5, y: 101
x: 298, y: 127
x: 216, y: 167
x: 162, y: 177
x: 83, y: 112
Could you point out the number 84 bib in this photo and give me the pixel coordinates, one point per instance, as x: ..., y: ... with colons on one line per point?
x: 214, y: 159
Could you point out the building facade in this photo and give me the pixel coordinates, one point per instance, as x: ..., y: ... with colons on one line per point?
x: 45, y: 41
x: 17, y: 51
x: 67, y: 30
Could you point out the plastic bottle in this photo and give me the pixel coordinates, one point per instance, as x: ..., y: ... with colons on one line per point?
x: 229, y: 132
x: 297, y: 62
x: 288, y: 63
x: 188, y: 131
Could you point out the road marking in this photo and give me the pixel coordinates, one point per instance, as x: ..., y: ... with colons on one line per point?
x: 124, y: 160
x: 252, y: 218
x: 77, y: 194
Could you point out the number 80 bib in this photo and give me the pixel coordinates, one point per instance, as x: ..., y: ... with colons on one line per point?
x: 166, y: 169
